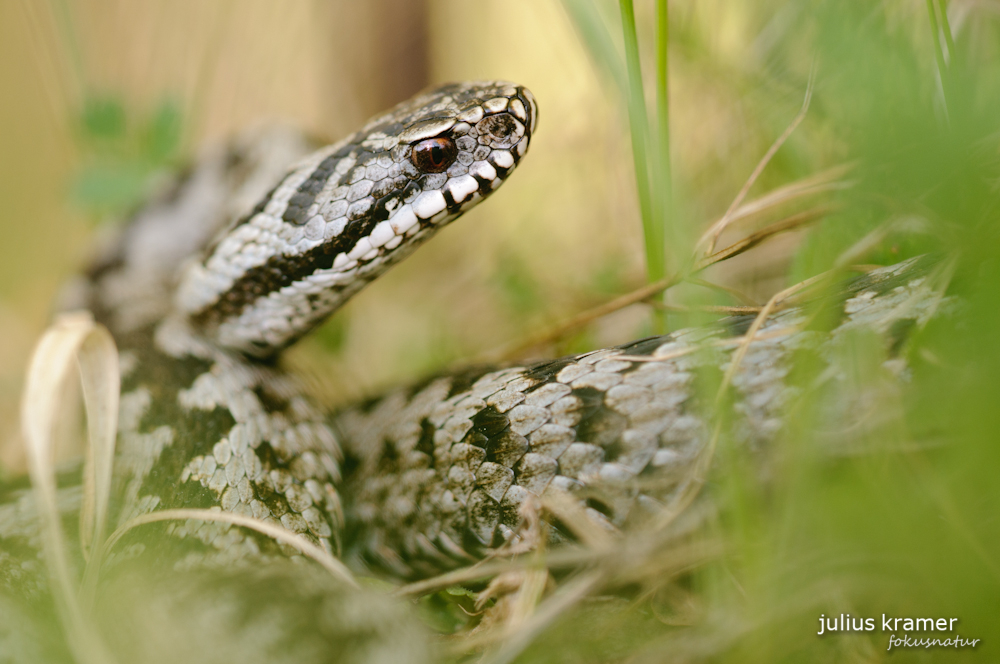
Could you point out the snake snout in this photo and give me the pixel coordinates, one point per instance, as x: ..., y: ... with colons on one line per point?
x: 510, y: 119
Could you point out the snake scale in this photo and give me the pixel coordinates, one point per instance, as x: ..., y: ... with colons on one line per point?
x: 239, y: 258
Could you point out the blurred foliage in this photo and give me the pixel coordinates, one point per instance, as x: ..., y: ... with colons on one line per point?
x: 517, y: 287
x: 897, y: 515
x: 924, y: 140
x: 122, y: 152
x: 450, y: 610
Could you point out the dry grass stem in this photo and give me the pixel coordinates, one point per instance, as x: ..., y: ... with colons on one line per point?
x: 557, y: 331
x: 564, y: 558
x: 738, y: 294
x: 761, y: 165
x: 708, y: 308
x: 686, y: 496
x: 823, y: 182
x: 758, y: 322
x: 637, y: 558
x: 307, y: 548
x: 787, y: 224
x: 624, y: 556
x: 517, y: 594
x: 566, y: 597
x: 570, y: 511
x: 877, y: 236
x: 75, y: 340
x: 729, y: 342
x: 645, y: 293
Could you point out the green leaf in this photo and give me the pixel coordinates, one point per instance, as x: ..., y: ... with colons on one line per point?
x: 162, y: 134
x: 110, y: 186
x: 103, y: 118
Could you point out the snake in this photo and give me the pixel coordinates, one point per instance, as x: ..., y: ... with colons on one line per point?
x: 242, y: 255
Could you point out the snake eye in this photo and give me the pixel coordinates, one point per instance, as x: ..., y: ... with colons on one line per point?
x: 434, y: 155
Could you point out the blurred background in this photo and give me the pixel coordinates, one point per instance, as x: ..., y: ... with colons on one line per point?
x: 99, y: 96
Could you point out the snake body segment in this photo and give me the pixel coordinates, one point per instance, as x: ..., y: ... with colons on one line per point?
x: 438, y: 475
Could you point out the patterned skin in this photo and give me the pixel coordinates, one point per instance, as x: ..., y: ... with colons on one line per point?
x: 202, y: 423
x: 349, y: 211
x: 438, y: 474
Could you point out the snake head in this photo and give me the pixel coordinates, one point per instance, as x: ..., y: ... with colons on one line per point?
x: 346, y: 213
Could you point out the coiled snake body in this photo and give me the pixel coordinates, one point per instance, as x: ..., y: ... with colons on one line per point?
x: 422, y: 479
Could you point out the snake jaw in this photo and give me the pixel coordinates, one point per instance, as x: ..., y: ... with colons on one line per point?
x: 348, y: 212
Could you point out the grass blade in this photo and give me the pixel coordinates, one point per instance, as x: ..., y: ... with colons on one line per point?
x: 592, y: 30
x: 639, y: 130
x: 73, y: 336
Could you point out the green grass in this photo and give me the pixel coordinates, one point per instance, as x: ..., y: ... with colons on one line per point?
x: 651, y: 157
x: 900, y: 516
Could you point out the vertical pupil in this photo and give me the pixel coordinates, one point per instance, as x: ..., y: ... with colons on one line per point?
x: 434, y: 155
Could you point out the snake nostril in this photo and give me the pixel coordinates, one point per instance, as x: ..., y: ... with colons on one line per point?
x: 501, y: 130
x: 499, y: 127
